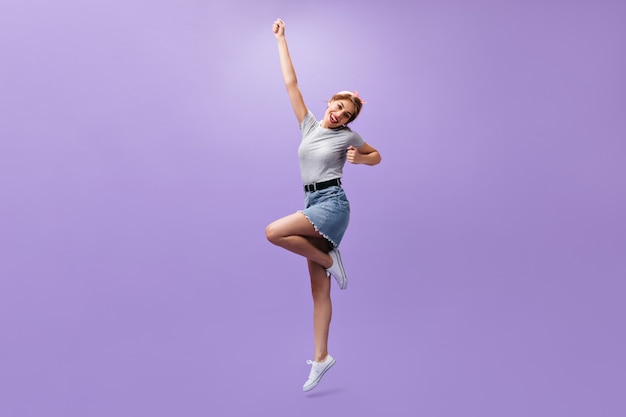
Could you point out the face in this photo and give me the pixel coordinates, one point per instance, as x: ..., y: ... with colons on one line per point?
x: 338, y: 113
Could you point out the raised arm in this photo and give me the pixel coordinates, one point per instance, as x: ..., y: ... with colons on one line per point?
x: 289, y: 74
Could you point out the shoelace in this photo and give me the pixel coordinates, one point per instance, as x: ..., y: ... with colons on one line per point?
x: 315, y: 368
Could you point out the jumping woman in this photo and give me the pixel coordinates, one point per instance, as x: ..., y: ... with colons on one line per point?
x: 316, y: 231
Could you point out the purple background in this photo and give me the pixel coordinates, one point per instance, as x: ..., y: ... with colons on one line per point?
x: 144, y: 146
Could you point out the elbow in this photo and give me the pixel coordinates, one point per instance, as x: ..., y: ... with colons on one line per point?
x: 291, y: 83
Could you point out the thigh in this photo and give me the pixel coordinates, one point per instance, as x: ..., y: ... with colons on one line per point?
x: 294, y: 224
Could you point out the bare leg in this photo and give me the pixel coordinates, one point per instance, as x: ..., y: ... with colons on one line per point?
x: 296, y: 234
x: 322, y: 305
x: 322, y: 309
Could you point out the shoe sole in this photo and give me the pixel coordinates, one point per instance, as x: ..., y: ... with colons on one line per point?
x: 343, y: 283
x: 317, y: 381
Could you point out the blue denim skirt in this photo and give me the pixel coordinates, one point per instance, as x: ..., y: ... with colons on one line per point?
x: 328, y: 210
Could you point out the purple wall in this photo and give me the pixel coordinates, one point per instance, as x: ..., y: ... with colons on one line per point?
x: 144, y: 146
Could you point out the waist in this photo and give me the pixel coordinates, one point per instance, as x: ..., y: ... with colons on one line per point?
x: 321, y: 185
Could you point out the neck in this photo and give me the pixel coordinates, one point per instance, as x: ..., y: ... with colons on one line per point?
x: 325, y: 125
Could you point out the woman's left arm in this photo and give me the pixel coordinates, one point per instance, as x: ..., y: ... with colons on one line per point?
x: 365, y: 154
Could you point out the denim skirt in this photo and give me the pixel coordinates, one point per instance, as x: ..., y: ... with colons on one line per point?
x: 328, y: 210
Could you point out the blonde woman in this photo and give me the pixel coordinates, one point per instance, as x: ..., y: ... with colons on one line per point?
x: 316, y: 231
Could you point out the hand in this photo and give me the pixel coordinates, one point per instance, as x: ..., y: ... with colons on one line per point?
x: 353, y: 156
x: 279, y: 28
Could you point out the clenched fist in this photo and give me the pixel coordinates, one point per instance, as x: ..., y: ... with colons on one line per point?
x: 352, y: 155
x: 279, y: 28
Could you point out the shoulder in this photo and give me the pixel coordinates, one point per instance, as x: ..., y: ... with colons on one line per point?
x: 308, y: 122
x: 355, y: 138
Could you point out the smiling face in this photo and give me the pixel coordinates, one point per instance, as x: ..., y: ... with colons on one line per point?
x: 339, y: 113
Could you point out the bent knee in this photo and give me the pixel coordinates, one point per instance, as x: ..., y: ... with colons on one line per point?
x: 271, y: 234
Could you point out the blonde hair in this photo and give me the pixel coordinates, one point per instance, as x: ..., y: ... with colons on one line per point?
x: 354, y: 98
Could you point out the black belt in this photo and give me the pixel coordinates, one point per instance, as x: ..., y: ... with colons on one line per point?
x: 321, y: 185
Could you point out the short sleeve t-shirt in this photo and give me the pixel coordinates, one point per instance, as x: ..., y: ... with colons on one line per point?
x: 322, y: 152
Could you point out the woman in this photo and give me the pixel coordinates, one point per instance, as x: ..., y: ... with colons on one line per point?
x: 316, y: 231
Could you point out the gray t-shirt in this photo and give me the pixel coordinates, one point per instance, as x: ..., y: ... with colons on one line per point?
x: 322, y: 152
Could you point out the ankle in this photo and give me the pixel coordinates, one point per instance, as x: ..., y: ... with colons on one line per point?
x: 321, y: 357
x: 330, y: 262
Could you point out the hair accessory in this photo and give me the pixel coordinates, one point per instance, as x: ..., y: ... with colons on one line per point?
x: 356, y: 94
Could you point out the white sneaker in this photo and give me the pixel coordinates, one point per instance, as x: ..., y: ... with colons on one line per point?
x: 318, y: 369
x: 336, y: 269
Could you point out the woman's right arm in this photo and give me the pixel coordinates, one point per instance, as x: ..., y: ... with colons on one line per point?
x: 289, y: 74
